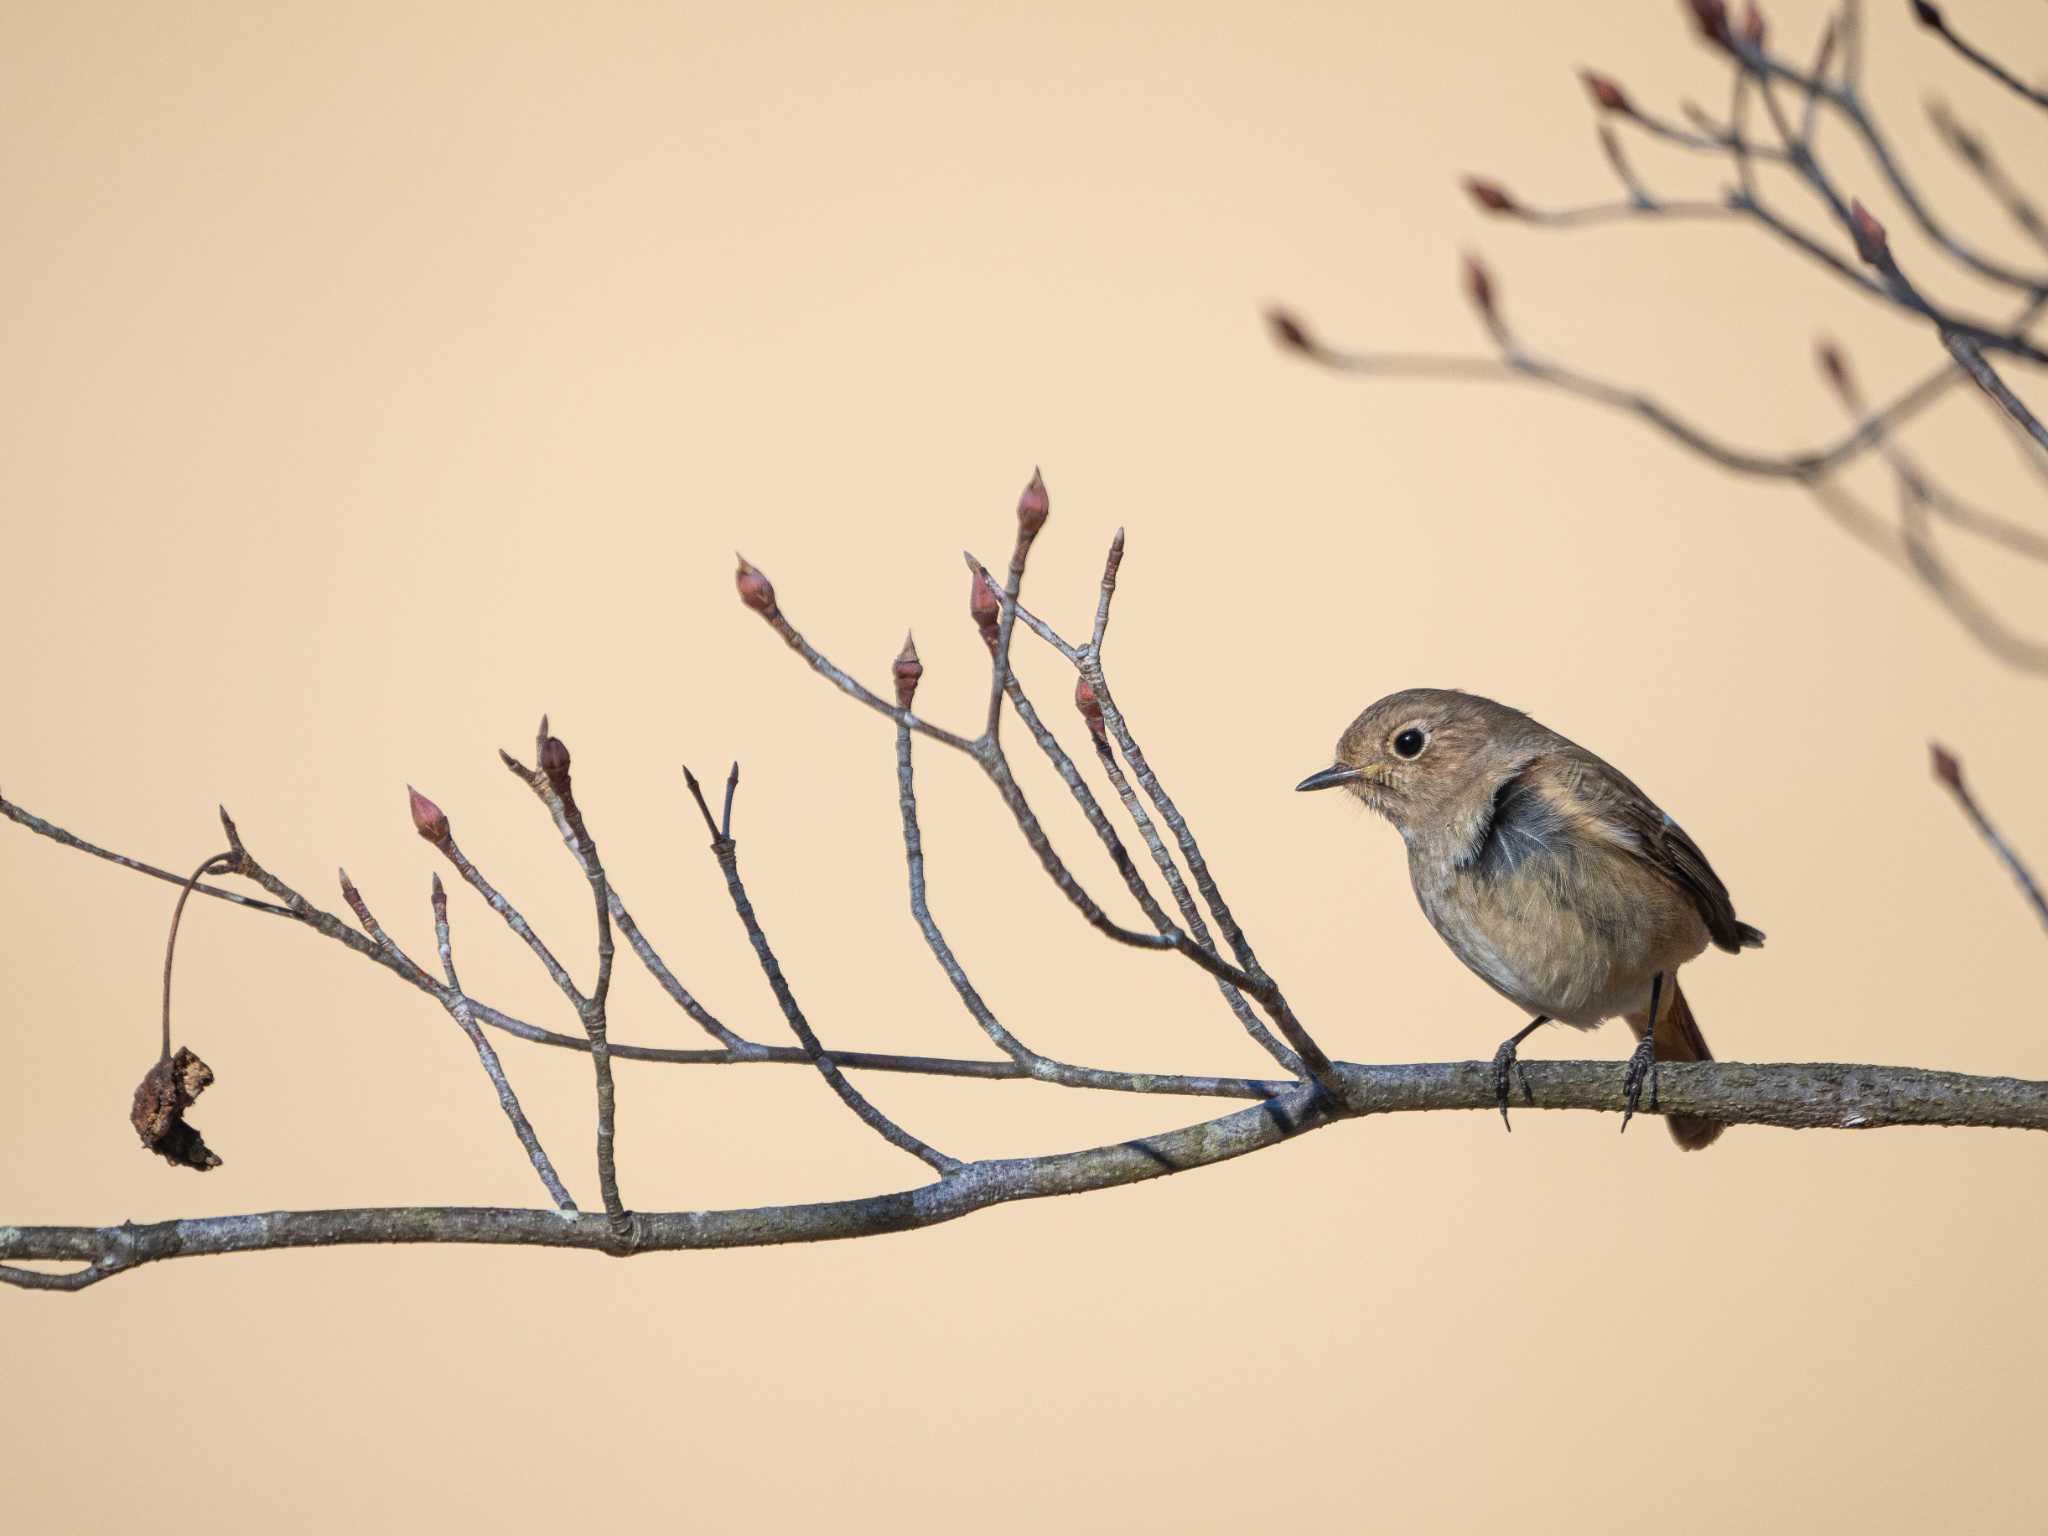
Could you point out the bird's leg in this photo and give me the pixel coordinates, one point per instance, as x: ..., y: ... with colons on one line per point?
x: 1505, y: 1057
x: 1643, y: 1064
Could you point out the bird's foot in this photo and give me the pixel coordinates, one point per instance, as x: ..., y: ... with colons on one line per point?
x: 1642, y: 1067
x: 1508, y: 1056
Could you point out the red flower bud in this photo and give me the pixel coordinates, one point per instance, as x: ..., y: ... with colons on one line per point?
x: 1752, y: 25
x: 1607, y: 96
x: 1946, y: 768
x: 1033, y: 506
x: 1288, y: 331
x: 1712, y: 19
x: 1489, y: 195
x: 427, y: 818
x: 756, y: 591
x: 1871, y: 244
x: 908, y: 670
x: 984, y: 608
x: 554, y: 762
x: 1090, y: 707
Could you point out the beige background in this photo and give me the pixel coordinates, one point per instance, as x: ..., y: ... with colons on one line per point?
x: 376, y: 378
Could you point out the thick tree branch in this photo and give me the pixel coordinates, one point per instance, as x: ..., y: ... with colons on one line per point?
x: 1797, y: 1096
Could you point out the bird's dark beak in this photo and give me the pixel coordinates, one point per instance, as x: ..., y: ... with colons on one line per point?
x: 1330, y: 778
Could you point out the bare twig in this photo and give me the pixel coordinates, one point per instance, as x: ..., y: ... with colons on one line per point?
x: 218, y: 863
x: 1950, y: 772
x: 746, y: 1053
x: 458, y: 1005
x: 726, y: 851
x: 1931, y: 18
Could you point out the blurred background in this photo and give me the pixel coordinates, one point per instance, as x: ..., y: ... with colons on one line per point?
x: 379, y: 377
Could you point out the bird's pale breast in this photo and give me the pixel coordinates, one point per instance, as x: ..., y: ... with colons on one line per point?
x: 1573, y: 927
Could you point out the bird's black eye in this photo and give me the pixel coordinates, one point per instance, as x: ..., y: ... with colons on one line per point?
x: 1410, y: 743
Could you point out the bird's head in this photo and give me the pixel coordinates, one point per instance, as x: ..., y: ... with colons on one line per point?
x: 1422, y: 757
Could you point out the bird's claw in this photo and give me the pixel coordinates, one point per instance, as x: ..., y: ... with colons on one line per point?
x: 1642, y: 1066
x: 1504, y: 1058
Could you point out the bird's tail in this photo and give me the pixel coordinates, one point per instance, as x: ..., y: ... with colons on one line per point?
x: 1679, y: 1039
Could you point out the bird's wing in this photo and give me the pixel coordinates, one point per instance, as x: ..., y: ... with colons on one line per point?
x: 1606, y: 803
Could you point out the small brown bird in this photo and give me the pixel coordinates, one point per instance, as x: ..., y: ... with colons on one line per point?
x: 1547, y: 872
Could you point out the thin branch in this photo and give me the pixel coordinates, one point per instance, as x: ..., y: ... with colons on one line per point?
x: 218, y: 863
x: 1968, y: 146
x: 432, y: 824
x: 1523, y: 366
x: 1918, y: 559
x: 1025, y: 1061
x: 1847, y: 102
x: 1971, y: 358
x: 464, y: 1015
x: 757, y: 593
x: 513, y: 918
x: 1930, y: 17
x: 1950, y: 773
x: 537, y: 781
x: 1091, y: 808
x: 553, y: 755
x: 920, y: 909
x: 1922, y: 491
x: 726, y: 851
x: 459, y: 1007
x: 1250, y: 978
x: 745, y: 1054
x: 1032, y: 509
x: 1314, y: 1061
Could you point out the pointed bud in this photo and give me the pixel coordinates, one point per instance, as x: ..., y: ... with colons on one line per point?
x: 908, y: 670
x: 1489, y: 195
x: 1752, y: 25
x: 756, y: 591
x: 1090, y: 707
x: 1946, y: 768
x: 1871, y: 244
x: 1479, y: 288
x: 1288, y: 331
x: 1928, y: 15
x: 554, y: 762
x: 1711, y: 16
x: 1033, y: 506
x: 1607, y: 96
x: 427, y: 817
x: 984, y: 608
